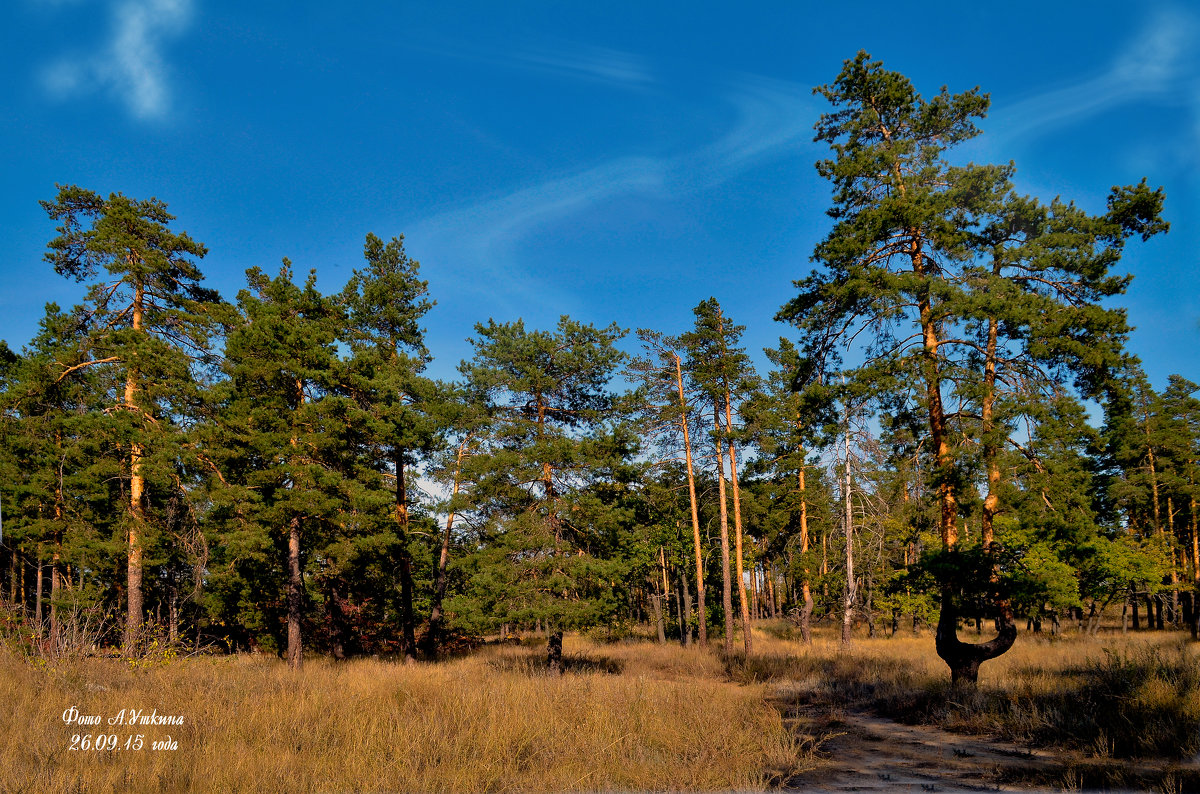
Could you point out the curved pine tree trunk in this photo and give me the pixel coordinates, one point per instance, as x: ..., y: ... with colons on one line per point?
x: 964, y: 658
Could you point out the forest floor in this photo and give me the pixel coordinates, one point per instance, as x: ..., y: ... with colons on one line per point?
x: 1068, y: 713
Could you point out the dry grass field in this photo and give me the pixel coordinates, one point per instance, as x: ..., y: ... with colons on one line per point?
x: 628, y: 716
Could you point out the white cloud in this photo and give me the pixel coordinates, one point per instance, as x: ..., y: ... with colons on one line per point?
x: 595, y: 63
x: 770, y: 117
x: 1158, y: 62
x: 568, y: 60
x: 130, y: 64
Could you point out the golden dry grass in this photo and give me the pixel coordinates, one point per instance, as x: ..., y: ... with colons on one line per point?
x: 491, y: 722
x: 626, y: 716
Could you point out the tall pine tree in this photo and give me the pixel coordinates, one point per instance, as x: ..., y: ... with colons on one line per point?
x: 149, y: 319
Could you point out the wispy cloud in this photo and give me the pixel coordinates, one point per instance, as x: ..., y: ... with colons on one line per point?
x: 617, y: 68
x: 1159, y: 62
x: 592, y: 63
x: 130, y: 63
x: 479, y: 240
x: 771, y: 117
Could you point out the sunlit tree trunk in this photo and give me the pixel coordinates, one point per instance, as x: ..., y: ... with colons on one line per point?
x: 133, y: 579
x: 727, y: 585
x: 295, y: 598
x: 724, y: 386
x: 1195, y: 622
x: 805, y: 583
x: 702, y: 621
x: 747, y: 637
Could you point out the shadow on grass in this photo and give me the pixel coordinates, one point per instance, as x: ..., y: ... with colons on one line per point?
x: 535, y: 664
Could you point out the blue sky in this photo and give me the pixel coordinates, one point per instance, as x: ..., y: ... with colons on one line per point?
x: 612, y: 161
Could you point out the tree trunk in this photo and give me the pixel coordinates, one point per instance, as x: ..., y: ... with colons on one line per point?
x: 408, y: 640
x: 771, y: 593
x: 662, y: 606
x: 726, y: 584
x: 133, y: 578
x: 554, y: 645
x: 683, y: 627
x: 38, y: 597
x: 56, y: 557
x: 295, y: 597
x: 747, y: 636
x: 805, y: 584
x: 55, y: 595
x: 1195, y: 624
x: 656, y: 604
x: 755, y: 595
x: 337, y: 625
x: 848, y: 518
x: 1158, y: 529
x: 433, y: 636
x: 173, y: 617
x: 1173, y: 605
x: 962, y: 658
x: 685, y: 624
x: 701, y: 614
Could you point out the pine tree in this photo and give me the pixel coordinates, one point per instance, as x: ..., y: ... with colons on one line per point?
x: 667, y: 417
x: 55, y: 494
x: 149, y: 319
x: 959, y: 286
x: 466, y: 424
x: 721, y: 371
x: 785, y: 426
x: 548, y: 557
x: 280, y: 446
x: 385, y: 303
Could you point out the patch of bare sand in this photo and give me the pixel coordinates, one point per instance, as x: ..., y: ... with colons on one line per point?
x: 860, y: 751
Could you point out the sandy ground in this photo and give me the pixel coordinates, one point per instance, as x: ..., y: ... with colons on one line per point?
x: 865, y: 752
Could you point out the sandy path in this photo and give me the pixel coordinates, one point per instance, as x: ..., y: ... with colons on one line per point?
x: 861, y: 751
x: 869, y: 753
